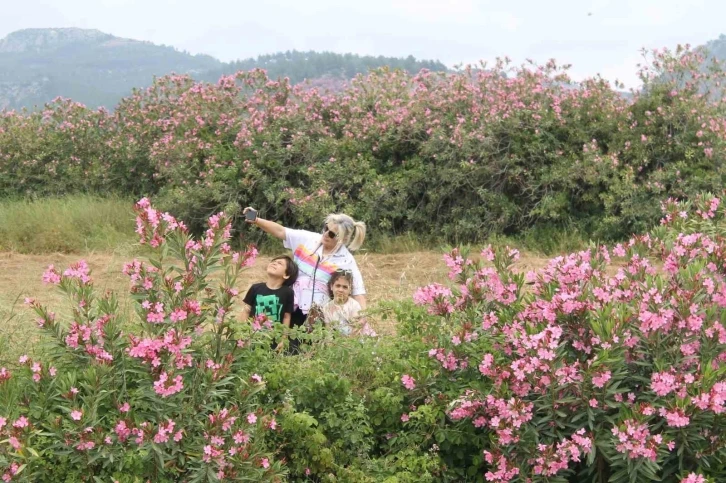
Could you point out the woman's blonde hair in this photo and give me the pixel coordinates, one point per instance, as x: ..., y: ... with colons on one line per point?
x: 350, y: 232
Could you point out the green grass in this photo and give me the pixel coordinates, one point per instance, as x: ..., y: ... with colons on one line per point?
x: 70, y: 224
x: 546, y: 241
x: 83, y: 223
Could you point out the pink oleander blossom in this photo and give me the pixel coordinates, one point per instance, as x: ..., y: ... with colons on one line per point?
x: 408, y: 382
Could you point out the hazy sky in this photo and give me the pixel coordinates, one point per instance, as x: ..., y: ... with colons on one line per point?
x: 595, y: 36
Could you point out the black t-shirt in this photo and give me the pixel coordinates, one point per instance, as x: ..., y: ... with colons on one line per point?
x: 274, y: 303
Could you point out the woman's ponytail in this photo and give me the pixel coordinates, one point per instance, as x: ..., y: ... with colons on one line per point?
x: 359, y: 235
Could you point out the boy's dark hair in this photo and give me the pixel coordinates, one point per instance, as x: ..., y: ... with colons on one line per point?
x: 346, y: 274
x: 291, y: 270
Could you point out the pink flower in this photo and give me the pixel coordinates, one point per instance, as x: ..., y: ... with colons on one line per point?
x: 240, y: 437
x: 256, y: 378
x: 14, y: 442
x: 51, y: 275
x: 693, y: 478
x: 405, y: 417
x: 155, y: 317
x: 600, y: 379
x: 76, y: 415
x: 408, y: 382
x: 265, y: 463
x: 4, y: 374
x: 164, y: 388
x: 124, y: 408
x: 21, y: 422
x: 178, y: 315
x: 251, y: 418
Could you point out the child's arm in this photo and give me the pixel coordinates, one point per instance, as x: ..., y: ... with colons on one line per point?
x: 246, y: 309
x: 247, y: 304
x: 286, y: 324
x: 355, y: 316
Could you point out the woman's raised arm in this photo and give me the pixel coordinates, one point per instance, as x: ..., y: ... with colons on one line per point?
x: 269, y: 227
x: 272, y: 228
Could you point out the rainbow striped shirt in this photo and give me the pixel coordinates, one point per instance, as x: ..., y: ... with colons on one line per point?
x: 307, y: 253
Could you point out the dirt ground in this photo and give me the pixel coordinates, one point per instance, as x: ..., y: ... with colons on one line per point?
x: 387, y: 277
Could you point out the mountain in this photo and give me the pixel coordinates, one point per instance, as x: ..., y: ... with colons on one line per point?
x: 98, y: 69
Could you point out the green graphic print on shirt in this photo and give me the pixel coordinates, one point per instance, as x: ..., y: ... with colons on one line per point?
x: 270, y: 306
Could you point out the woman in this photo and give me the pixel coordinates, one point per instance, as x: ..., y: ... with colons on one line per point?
x: 318, y: 256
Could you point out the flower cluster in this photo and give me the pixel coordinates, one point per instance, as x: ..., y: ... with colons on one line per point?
x: 580, y: 342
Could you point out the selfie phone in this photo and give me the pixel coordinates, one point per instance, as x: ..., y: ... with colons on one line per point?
x: 251, y: 215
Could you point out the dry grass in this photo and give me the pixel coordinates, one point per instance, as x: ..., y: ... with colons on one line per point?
x: 388, y: 278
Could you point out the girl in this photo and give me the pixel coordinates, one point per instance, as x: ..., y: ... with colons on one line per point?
x: 342, y: 311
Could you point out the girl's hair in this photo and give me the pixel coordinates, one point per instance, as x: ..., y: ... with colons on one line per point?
x: 291, y: 270
x: 346, y: 274
x: 350, y: 232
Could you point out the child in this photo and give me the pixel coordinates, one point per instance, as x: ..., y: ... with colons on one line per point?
x: 274, y: 298
x: 342, y: 310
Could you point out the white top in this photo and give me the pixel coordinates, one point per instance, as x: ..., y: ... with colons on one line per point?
x: 307, y: 252
x: 342, y: 316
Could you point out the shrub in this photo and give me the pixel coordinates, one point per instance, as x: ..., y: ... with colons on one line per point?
x: 487, y: 150
x: 601, y: 370
x: 171, y: 397
x: 607, y: 365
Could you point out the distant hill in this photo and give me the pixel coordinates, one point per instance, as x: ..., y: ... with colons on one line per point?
x: 717, y: 47
x: 98, y: 69
x: 299, y: 66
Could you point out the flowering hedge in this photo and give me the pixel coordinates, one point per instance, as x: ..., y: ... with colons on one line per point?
x: 609, y: 366
x: 606, y: 365
x: 173, y: 397
x: 486, y: 150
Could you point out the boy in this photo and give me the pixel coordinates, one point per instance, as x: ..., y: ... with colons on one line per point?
x: 274, y: 298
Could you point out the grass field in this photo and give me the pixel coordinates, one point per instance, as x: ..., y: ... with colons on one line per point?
x: 36, y: 233
x: 387, y: 277
x: 70, y: 224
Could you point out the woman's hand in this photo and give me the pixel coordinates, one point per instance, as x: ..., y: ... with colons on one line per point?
x: 244, y: 212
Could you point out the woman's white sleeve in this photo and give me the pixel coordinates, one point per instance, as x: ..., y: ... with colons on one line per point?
x: 294, y: 238
x: 359, y: 287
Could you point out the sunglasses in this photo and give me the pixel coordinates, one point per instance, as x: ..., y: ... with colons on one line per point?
x: 344, y: 272
x: 331, y: 234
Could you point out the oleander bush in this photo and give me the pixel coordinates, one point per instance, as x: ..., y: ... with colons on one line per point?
x: 487, y: 150
x: 606, y: 365
x: 171, y: 396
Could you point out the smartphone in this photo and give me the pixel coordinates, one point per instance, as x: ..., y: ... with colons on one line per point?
x: 251, y: 215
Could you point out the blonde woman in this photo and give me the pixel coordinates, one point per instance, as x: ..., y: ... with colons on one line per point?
x: 318, y: 256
